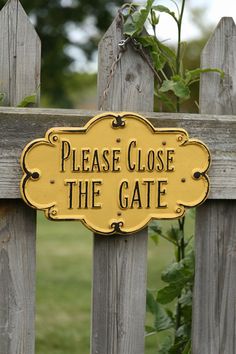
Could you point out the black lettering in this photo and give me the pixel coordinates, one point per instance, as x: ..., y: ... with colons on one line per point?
x: 160, y: 166
x: 123, y: 200
x: 131, y: 165
x: 115, y: 160
x: 74, y: 167
x: 105, y: 167
x: 136, y: 196
x: 150, y: 160
x: 160, y: 193
x: 70, y: 184
x: 83, y: 193
x: 85, y: 159
x: 140, y: 169
x: 148, y: 182
x: 96, y: 193
x: 65, y: 153
x: 95, y: 163
x: 169, y: 159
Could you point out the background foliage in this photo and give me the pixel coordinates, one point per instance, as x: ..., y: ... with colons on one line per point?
x: 53, y: 20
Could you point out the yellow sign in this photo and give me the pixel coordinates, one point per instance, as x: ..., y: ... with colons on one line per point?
x: 115, y: 174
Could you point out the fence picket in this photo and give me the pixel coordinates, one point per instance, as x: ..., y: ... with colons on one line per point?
x: 119, y: 279
x: 214, y: 311
x: 20, y: 75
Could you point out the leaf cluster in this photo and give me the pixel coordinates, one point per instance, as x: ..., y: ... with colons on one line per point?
x: 179, y: 279
x: 62, y: 26
x: 174, y: 81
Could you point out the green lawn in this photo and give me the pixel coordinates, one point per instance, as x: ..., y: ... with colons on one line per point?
x: 64, y: 266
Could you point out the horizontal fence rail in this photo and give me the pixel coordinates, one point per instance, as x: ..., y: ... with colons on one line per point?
x: 218, y: 132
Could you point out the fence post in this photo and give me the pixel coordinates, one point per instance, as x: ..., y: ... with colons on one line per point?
x: 214, y: 312
x: 19, y: 77
x: 119, y: 268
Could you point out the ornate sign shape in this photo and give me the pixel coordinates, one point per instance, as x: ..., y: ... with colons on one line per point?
x: 115, y: 174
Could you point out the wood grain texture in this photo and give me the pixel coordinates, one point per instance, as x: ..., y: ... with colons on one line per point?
x: 17, y: 277
x: 131, y: 86
x: 119, y: 268
x: 20, y: 55
x: 214, y: 312
x: 218, y: 132
x: 218, y: 96
x: 19, y: 72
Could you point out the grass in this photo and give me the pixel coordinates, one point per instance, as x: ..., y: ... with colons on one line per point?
x: 63, y: 297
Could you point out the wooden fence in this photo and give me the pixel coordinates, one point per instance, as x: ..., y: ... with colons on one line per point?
x: 119, y: 263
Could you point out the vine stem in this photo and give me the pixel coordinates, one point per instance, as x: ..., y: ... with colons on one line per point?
x: 181, y: 255
x: 179, y: 24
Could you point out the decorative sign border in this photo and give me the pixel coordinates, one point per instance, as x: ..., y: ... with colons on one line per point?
x: 118, y: 123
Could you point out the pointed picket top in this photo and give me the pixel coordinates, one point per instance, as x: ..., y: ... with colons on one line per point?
x: 20, y: 50
x: 131, y: 74
x: 219, y: 95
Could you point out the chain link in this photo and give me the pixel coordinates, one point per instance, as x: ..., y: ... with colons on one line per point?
x: 122, y: 45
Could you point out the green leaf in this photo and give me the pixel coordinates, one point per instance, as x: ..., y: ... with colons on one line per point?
x: 151, y: 303
x: 178, y: 347
x: 162, y: 8
x: 155, y: 227
x: 186, y: 298
x: 166, y: 101
x: 179, y: 88
x: 187, y: 314
x: 158, y: 59
x: 187, y: 349
x: 173, y: 273
x: 129, y: 26
x: 194, y: 75
x: 169, y: 293
x: 183, y: 331
x: 28, y: 101
x: 169, y: 54
x: 162, y: 320
x: 155, y: 238
x: 134, y: 24
x: 149, y: 330
x: 174, y: 234
x: 168, y: 85
x: 154, y: 18
x: 166, y: 345
x: 179, y: 273
x: 189, y: 261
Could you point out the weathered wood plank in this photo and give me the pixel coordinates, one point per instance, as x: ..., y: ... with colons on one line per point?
x: 119, y: 268
x: 218, y: 132
x: 214, y: 312
x: 20, y: 55
x: 17, y: 277
x: 19, y: 73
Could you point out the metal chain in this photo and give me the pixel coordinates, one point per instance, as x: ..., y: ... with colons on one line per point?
x: 122, y: 48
